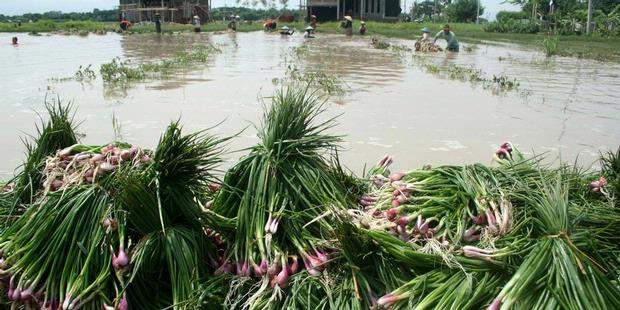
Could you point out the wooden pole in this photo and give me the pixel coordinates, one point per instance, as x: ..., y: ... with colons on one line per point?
x: 363, y: 10
x: 478, y: 12
x: 338, y: 10
x: 589, y: 26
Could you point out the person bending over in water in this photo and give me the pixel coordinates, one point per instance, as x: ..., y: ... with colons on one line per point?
x: 286, y: 31
x: 270, y: 25
x: 14, y: 41
x: 125, y: 24
x: 426, y: 35
x: 309, y: 31
x: 362, y: 27
x: 446, y: 34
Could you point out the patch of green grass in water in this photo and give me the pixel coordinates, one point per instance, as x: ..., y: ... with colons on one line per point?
x: 119, y: 72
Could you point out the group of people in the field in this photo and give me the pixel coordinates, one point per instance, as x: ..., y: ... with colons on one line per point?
x: 423, y: 43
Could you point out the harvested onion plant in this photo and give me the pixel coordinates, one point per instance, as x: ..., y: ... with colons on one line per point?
x: 279, y: 195
x: 107, y: 226
x: 517, y: 221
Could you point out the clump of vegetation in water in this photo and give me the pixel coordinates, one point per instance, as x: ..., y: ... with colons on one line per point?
x: 379, y: 44
x: 328, y: 83
x: 467, y: 74
x: 382, y: 45
x: 431, y: 68
x: 301, y: 51
x: 85, y: 73
x: 550, y: 45
x: 470, y: 47
x: 505, y: 82
x: 118, y: 71
x: 317, y: 78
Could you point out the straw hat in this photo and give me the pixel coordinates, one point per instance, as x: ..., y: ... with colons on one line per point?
x: 196, y: 17
x: 425, y: 29
x: 363, y: 22
x: 285, y: 28
x: 348, y: 18
x: 309, y: 28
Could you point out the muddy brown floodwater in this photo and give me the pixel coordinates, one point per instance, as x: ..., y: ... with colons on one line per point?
x: 565, y: 106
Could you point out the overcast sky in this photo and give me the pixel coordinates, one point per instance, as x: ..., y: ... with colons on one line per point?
x: 8, y: 7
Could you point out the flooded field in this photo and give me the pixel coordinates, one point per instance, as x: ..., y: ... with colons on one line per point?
x: 393, y: 105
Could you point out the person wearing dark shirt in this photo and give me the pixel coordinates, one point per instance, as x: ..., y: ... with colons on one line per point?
x: 348, y: 25
x: 363, y: 28
x: 157, y: 23
x: 313, y: 22
x: 446, y: 34
x: 125, y: 24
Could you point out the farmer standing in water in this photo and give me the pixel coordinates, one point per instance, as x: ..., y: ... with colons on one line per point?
x: 348, y: 25
x: 446, y: 34
x: 125, y: 24
x: 157, y: 23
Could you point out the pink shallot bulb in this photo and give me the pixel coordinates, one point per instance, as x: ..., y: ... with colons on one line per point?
x: 122, y: 305
x: 121, y: 260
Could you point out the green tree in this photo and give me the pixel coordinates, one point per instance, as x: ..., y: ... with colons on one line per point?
x: 463, y: 10
x: 425, y: 9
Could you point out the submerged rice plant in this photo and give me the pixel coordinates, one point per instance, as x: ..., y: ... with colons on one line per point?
x: 118, y: 71
x: 320, y: 79
x: 550, y: 45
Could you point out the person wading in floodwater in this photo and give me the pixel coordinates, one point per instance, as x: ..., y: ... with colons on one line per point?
x: 125, y: 24
x: 270, y: 25
x: 313, y: 21
x: 196, y: 23
x: 14, y: 41
x: 347, y: 24
x: 232, y: 24
x: 309, y: 31
x: 286, y: 31
x: 362, y: 27
x: 446, y: 34
x: 157, y: 23
x: 424, y: 43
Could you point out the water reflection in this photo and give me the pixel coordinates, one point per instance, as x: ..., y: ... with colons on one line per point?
x: 153, y: 48
x: 363, y: 67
